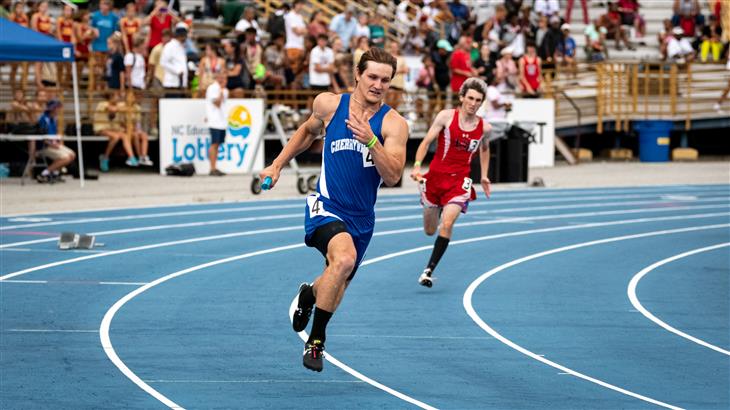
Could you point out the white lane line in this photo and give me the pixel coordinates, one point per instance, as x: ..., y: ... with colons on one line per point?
x: 51, y: 331
x: 468, y: 306
x: 262, y: 381
x: 106, y: 321
x: 386, y: 219
x: 67, y: 282
x: 492, y: 202
x: 631, y: 291
x: 414, y: 337
x: 124, y: 283
x: 25, y: 281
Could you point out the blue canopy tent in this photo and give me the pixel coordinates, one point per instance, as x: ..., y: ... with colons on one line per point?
x: 18, y: 43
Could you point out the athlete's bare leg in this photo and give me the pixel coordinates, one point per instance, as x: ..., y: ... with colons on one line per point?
x: 449, y: 216
x: 329, y: 288
x: 431, y: 220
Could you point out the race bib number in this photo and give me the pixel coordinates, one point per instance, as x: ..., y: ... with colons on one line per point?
x: 367, y: 159
x: 315, y: 206
x: 467, y: 184
x: 473, y: 145
x: 422, y: 185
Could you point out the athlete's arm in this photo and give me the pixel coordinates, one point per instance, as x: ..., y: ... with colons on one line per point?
x: 322, y: 108
x: 390, y: 157
x: 484, y: 160
x: 433, y: 133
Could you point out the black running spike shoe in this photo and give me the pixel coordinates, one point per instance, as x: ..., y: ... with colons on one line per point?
x: 300, y: 319
x: 313, y: 355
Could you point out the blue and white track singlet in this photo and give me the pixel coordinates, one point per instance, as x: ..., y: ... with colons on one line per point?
x: 349, y: 181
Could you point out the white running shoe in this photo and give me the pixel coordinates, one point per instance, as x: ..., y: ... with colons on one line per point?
x: 426, y: 279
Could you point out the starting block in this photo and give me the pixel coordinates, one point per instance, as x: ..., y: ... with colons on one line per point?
x: 72, y: 240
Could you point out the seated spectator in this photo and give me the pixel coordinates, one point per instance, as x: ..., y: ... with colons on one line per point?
x: 135, y: 66
x: 140, y: 138
x: 377, y: 31
x: 541, y: 31
x: 567, y: 49
x: 547, y: 8
x: 711, y: 41
x: 614, y: 30
x: 22, y: 111
x: 483, y: 64
x: 530, y: 76
x: 426, y: 74
x: 363, y: 28
x: 362, y: 45
x: 253, y: 56
x: 247, y: 21
x: 209, y: 66
x: 496, y: 105
x: 51, y: 148
x: 679, y: 48
x: 341, y: 78
x: 39, y: 106
x: 398, y: 82
x: 275, y: 62
x: 459, y: 10
x: 665, y: 34
x: 688, y: 16
x: 317, y: 24
x: 413, y: 42
x: 595, y: 41
x: 344, y: 25
x: 108, y: 123
x: 506, y: 72
x: 234, y: 67
x: 513, y: 36
x: 630, y: 16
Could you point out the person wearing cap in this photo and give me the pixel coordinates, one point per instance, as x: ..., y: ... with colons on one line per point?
x: 566, y: 50
x: 506, y: 71
x: 174, y: 61
x: 679, y: 46
x: 344, y: 25
x: 52, y: 148
x: 547, y: 7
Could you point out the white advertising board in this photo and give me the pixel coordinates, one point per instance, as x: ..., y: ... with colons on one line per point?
x: 185, y: 136
x: 527, y: 113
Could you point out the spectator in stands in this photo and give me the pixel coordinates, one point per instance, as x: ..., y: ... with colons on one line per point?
x: 541, y: 31
x: 140, y: 138
x: 506, y: 72
x: 513, y: 37
x: 22, y: 111
x: 426, y: 74
x: 130, y: 26
x: 595, y: 41
x: 18, y: 16
x: 41, y: 22
x: 115, y: 74
x: 567, y: 50
x: 441, y: 58
x: 483, y: 64
x: 362, y: 45
x: 134, y: 65
x: 275, y: 62
x: 413, y: 42
x: 215, y: 100
x: 106, y: 23
x: 210, y: 65
x: 249, y: 20
x: 362, y: 29
x: 711, y: 41
x: 679, y: 48
x: 276, y: 24
x: 41, y: 100
x: 398, y: 82
x: 513, y: 8
x: 317, y: 24
x: 614, y: 30
x: 253, y: 55
x: 549, y: 47
x: 630, y: 16
x: 341, y: 78
x: 530, y: 76
x: 321, y: 67
x: 459, y: 11
x: 174, y: 61
x: 156, y: 74
x: 295, y: 32
x: 52, y: 148
x: 234, y: 67
x: 344, y: 25
x: 460, y: 64
x: 108, y: 123
x: 85, y: 34
x: 159, y: 20
x: 377, y: 31
x: 65, y: 26
x: 547, y: 8
x: 688, y: 16
x: 495, y: 105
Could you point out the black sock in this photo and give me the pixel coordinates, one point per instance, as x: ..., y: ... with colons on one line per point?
x: 438, y: 251
x: 306, y: 298
x: 321, y: 318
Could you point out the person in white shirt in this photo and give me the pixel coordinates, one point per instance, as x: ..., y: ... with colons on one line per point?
x: 495, y: 105
x: 135, y: 66
x: 215, y: 102
x: 174, y: 62
x: 296, y: 29
x: 547, y: 7
x: 321, y: 65
x: 679, y: 47
x: 248, y: 20
x: 362, y: 29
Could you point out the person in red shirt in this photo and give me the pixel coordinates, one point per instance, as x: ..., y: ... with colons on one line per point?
x: 160, y: 19
x: 130, y: 25
x: 529, y: 69
x: 460, y: 64
x: 447, y: 189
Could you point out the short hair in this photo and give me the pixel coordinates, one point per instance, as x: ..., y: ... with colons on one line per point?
x: 167, y: 33
x: 473, y: 83
x: 323, y: 36
x: 376, y: 55
x: 251, y: 30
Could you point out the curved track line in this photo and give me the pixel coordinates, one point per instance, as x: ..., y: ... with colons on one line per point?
x: 298, y: 215
x: 106, y: 322
x: 467, y: 301
x: 299, y: 205
x: 631, y: 291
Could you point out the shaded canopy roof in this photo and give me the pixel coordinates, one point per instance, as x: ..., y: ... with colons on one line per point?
x: 18, y: 43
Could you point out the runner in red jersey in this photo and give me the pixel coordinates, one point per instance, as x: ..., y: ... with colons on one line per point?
x: 530, y: 73
x: 447, y: 189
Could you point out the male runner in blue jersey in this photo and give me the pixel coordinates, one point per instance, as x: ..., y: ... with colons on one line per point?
x: 364, y: 146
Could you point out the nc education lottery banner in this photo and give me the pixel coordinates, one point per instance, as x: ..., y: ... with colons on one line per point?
x: 185, y: 136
